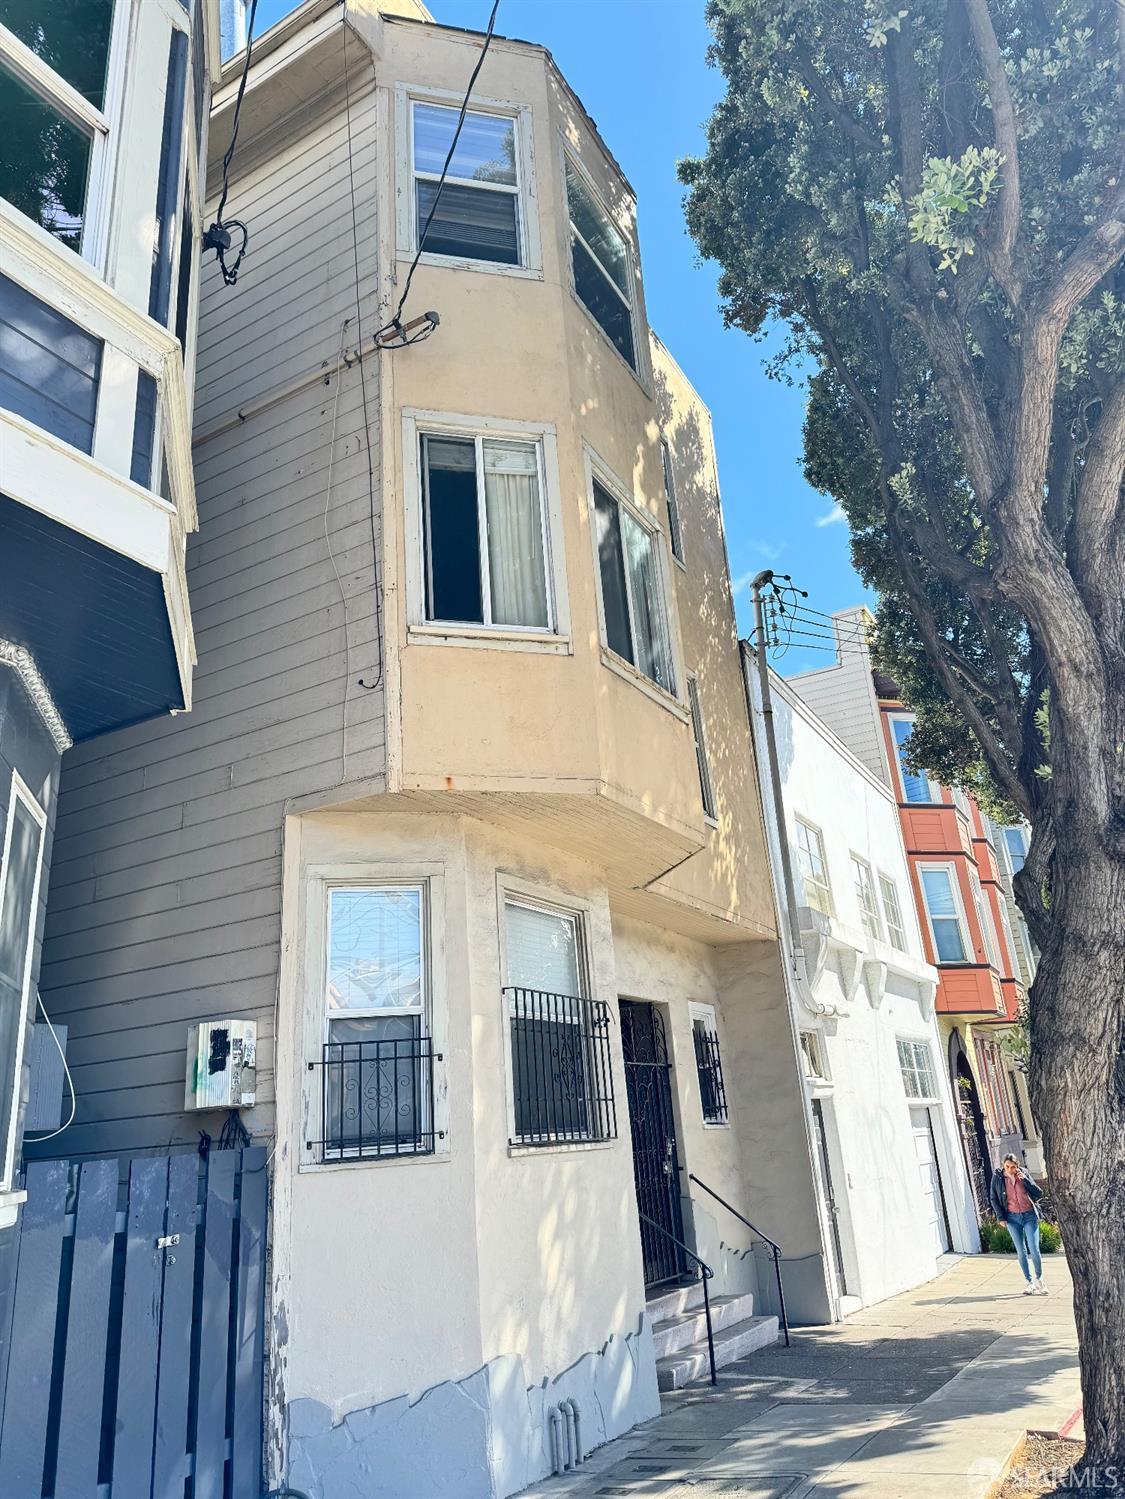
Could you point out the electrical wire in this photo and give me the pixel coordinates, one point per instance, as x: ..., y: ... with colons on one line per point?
x: 376, y: 682
x: 38, y: 1139
x: 218, y: 236
x: 332, y: 555
x: 395, y: 323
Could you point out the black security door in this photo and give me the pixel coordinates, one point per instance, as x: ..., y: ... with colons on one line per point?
x: 656, y: 1165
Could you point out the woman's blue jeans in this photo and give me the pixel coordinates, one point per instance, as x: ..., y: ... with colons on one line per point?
x: 1024, y: 1229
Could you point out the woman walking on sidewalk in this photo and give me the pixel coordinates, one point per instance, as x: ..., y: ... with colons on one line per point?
x: 1013, y: 1195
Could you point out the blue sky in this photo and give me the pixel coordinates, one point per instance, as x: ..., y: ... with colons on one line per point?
x: 640, y: 68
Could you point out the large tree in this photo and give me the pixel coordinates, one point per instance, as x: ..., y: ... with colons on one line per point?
x: 930, y: 194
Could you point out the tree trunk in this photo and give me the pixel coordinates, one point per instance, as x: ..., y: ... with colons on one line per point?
x: 1077, y: 1083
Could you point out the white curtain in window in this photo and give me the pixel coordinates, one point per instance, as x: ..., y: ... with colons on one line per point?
x: 542, y: 950
x: 649, y: 629
x: 515, y: 534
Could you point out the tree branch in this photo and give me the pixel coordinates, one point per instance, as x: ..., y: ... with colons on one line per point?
x: 1098, y: 520
x: 1000, y: 247
x: 840, y: 116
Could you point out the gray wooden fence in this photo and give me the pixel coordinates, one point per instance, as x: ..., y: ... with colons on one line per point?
x: 135, y: 1343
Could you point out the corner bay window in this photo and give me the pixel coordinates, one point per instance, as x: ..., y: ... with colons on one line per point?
x: 601, y: 265
x: 632, y: 585
x: 484, y: 532
x: 477, y: 215
x: 562, y: 1085
x: 916, y: 786
x: 377, y: 1068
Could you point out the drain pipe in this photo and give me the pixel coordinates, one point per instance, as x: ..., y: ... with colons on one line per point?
x: 577, y: 1432
x: 555, y: 1417
x: 567, y: 1409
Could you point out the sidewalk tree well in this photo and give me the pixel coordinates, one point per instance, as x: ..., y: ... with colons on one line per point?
x: 931, y: 198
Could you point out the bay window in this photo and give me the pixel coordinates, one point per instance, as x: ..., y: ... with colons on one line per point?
x: 916, y: 785
x: 892, y: 912
x: 377, y: 1071
x: 634, y: 610
x: 54, y: 111
x: 562, y: 1086
x: 943, y: 907
x: 484, y: 532
x: 601, y: 265
x: 865, y: 896
x: 476, y: 216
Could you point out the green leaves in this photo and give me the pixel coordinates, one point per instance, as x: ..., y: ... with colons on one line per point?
x: 943, y: 212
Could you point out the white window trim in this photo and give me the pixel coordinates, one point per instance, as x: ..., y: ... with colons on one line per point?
x: 823, y: 1078
x: 698, y: 1010
x: 989, y: 935
x: 880, y: 876
x: 699, y: 734
x: 672, y: 505
x: 799, y: 821
x: 643, y: 371
x: 966, y: 930
x: 936, y: 799
x: 596, y: 469
x: 922, y: 1041
x: 20, y: 792
x: 556, y: 638
x: 876, y: 914
x: 559, y: 903
x: 527, y: 198
x: 101, y: 124
x: 319, y: 881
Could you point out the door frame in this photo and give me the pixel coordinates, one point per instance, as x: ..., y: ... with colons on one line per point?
x: 928, y: 1110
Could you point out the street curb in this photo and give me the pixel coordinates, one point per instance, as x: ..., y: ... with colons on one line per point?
x: 997, y: 1484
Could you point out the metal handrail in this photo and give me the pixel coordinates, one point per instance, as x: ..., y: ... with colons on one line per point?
x: 753, y: 1227
x: 705, y: 1274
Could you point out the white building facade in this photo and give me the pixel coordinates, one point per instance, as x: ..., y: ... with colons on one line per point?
x: 894, y: 1195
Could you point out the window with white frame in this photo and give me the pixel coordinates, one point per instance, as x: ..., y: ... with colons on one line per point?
x: 892, y: 912
x: 377, y: 1068
x: 947, y: 920
x: 917, y: 1066
x: 916, y: 785
x: 634, y: 600
x: 20, y: 867
x: 812, y: 1057
x: 674, y: 538
x: 961, y: 802
x: 708, y: 1063
x: 984, y: 916
x: 54, y: 111
x: 562, y: 1083
x: 601, y: 264
x: 485, y: 532
x: 706, y: 791
x: 866, y: 898
x: 1015, y: 841
x: 813, y: 869
x: 477, y: 214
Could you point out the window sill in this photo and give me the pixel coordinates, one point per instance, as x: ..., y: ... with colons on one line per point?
x: 716, y: 1124
x: 679, y: 561
x: 625, y: 669
x: 431, y: 1158
x: 563, y: 1147
x: 463, y: 263
x: 499, y: 640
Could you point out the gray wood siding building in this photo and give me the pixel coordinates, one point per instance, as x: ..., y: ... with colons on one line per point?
x: 165, y: 891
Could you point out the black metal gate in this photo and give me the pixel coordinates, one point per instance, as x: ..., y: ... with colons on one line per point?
x: 656, y: 1164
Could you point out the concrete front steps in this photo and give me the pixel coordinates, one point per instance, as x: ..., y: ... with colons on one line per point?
x: 679, y: 1333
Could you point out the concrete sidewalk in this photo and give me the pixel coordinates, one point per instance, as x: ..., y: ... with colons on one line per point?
x: 922, y: 1397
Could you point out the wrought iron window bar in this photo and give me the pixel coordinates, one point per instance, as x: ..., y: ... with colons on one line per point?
x: 709, y: 1065
x: 376, y: 1099
x: 562, y: 1077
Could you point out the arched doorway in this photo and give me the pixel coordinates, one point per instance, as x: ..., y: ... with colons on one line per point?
x: 970, y: 1117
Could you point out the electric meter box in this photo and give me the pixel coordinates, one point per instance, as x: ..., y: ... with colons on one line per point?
x: 221, y: 1065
